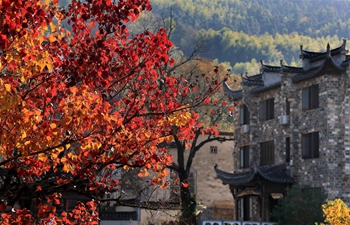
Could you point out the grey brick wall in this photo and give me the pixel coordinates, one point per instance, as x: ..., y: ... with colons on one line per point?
x: 331, y: 170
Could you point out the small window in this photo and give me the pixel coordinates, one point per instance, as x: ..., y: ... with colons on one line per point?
x: 244, y: 157
x: 267, y: 153
x: 287, y: 149
x: 310, y: 97
x: 287, y: 107
x: 266, y: 109
x: 310, y: 145
x: 213, y: 149
x: 244, y: 115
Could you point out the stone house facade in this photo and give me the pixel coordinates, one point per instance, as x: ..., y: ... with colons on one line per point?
x: 292, y: 126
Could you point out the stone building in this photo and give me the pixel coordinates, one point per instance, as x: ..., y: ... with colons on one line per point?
x: 292, y: 126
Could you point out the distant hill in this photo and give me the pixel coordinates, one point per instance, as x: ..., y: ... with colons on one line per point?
x: 243, y: 32
x: 314, y: 18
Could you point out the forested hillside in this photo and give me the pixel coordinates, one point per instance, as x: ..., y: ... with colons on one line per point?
x: 243, y: 32
x: 315, y: 18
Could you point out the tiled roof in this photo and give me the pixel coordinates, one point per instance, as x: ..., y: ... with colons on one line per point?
x: 275, y: 173
x: 272, y: 173
x: 252, y: 82
x: 235, y: 95
x: 329, y: 66
x: 255, y: 80
x: 313, y: 72
x: 270, y: 76
x: 315, y: 56
x: 291, y: 69
x: 235, y: 178
x: 277, y: 69
x: 253, y: 77
x: 267, y: 68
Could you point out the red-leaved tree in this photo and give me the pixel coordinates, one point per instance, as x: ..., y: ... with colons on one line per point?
x: 75, y: 106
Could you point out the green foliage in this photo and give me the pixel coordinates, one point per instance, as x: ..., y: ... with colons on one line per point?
x: 243, y: 32
x: 244, y: 51
x: 315, y: 18
x: 192, y: 209
x: 302, y: 205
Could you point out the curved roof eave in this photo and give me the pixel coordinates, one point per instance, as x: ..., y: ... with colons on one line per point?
x: 273, y: 173
x: 328, y: 66
x: 235, y: 95
x: 315, y: 56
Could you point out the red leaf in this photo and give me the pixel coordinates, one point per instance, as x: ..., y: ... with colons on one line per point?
x: 185, y: 184
x: 172, y: 61
x: 57, y: 201
x: 64, y: 214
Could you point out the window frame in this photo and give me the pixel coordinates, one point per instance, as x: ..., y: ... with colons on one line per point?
x: 310, y: 145
x: 213, y: 149
x: 244, y: 115
x: 310, y: 97
x: 246, y: 207
x: 267, y: 153
x: 267, y: 109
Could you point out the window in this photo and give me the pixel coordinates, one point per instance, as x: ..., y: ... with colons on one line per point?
x: 287, y: 107
x: 266, y: 109
x: 244, y: 157
x: 244, y: 115
x: 245, y: 207
x: 213, y: 149
x: 267, y: 153
x: 310, y: 97
x: 287, y: 149
x: 310, y: 145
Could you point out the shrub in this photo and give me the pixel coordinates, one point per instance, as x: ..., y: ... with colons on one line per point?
x: 336, y: 212
x: 302, y: 205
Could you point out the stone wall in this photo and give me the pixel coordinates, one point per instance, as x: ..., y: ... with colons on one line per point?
x: 331, y: 170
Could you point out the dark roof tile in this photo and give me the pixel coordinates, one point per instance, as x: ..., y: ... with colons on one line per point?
x: 315, y: 56
x: 272, y: 173
x: 235, y: 95
x: 329, y: 66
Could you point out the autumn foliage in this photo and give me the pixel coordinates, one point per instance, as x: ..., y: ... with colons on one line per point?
x: 76, y: 105
x: 336, y: 212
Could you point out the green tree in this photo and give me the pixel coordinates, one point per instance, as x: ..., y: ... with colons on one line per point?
x: 302, y: 205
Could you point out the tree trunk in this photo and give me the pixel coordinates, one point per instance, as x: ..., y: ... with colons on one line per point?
x: 188, y: 207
